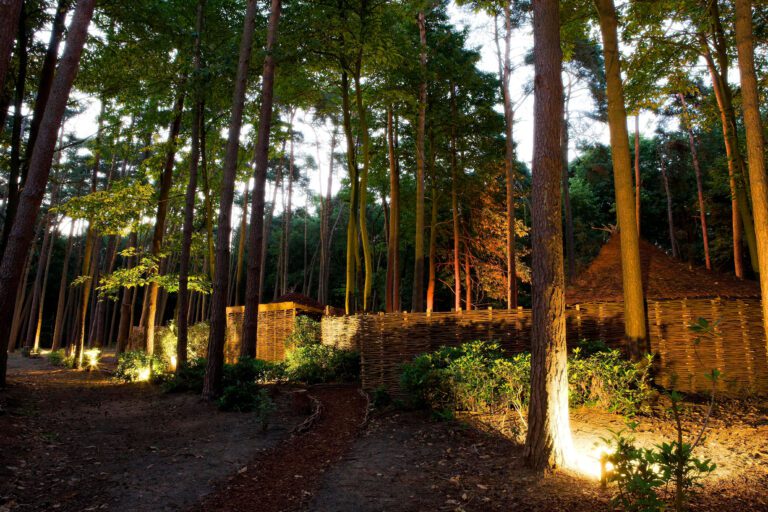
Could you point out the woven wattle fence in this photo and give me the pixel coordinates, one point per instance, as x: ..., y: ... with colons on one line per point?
x: 386, y: 341
x: 274, y: 328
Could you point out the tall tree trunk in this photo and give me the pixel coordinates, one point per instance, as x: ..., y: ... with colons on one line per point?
x: 363, y: 217
x: 668, y: 194
x: 240, y: 268
x: 755, y: 142
x: 505, y: 72
x: 350, y: 287
x: 40, y: 165
x: 288, y: 211
x: 455, y: 204
x: 432, y: 258
x: 211, y: 256
x: 417, y: 300
x: 391, y: 302
x: 634, y: 307
x: 15, y: 179
x: 58, y: 324
x: 126, y: 304
x: 268, y: 222
x: 325, y: 238
x: 467, y: 276
x: 638, y: 182
x: 548, y: 442
x: 101, y: 311
x: 255, y: 242
x: 570, y: 245
x: 46, y: 74
x: 166, y: 181
x: 213, y: 371
x: 699, y: 181
x: 189, y: 202
x: 9, y: 20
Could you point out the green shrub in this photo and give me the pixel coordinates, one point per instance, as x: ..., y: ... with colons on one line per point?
x: 477, y: 377
x: 610, y: 381
x: 166, y: 338
x: 136, y: 365
x: 306, y: 332
x: 317, y: 363
x: 188, y: 377
x: 252, y: 370
x: 60, y: 358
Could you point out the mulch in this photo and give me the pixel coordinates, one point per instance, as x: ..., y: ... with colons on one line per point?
x: 287, y: 477
x: 663, y: 278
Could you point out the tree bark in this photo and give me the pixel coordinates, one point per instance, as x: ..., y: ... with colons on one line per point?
x: 325, y: 238
x: 9, y: 20
x: 634, y: 306
x: 570, y: 245
x: 60, y: 303
x: 126, y: 305
x: 455, y: 205
x: 670, y: 218
x: 40, y: 165
x: 256, y: 234
x: 638, y: 182
x: 755, y: 142
x: 166, y: 181
x: 417, y: 300
x: 432, y: 258
x: 548, y: 442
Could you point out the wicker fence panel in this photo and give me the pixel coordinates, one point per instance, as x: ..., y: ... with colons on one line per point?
x: 274, y: 329
x: 740, y: 351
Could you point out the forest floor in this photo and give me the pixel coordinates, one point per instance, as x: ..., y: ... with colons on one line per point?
x: 78, y: 441
x: 75, y: 441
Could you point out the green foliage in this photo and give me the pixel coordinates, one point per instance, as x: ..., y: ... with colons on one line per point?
x: 60, y: 358
x: 476, y: 376
x: 136, y: 366
x: 145, y: 272
x: 317, y: 363
x: 188, y: 377
x: 643, y: 475
x: 197, y: 341
x: 606, y: 379
x: 306, y: 331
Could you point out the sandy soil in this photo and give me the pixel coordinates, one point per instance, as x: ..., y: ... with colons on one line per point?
x: 79, y: 441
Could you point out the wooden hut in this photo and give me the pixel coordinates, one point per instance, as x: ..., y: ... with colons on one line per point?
x: 277, y: 321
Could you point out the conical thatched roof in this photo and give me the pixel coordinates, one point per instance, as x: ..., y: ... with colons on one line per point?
x: 663, y: 278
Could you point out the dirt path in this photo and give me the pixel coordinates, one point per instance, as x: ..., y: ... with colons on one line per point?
x: 287, y: 477
x: 79, y: 441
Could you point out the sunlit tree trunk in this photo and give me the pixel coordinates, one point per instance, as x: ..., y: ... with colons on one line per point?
x: 432, y: 269
x: 240, y: 268
x: 363, y: 217
x: 755, y: 142
x: 638, y: 180
x: 548, y: 442
x: 699, y: 181
x: 58, y: 324
x: 634, y: 307
x: 455, y: 205
x: 255, y: 236
x: 126, y: 304
x: 325, y: 238
x: 40, y: 165
x: 352, y: 233
x: 166, y: 180
x: 417, y: 300
x: 215, y: 366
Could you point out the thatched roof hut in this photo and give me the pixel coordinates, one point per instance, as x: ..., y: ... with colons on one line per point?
x: 663, y: 278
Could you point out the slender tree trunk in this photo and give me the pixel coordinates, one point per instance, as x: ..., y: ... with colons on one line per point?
x: 255, y: 241
x: 40, y: 165
x: 288, y: 212
x: 211, y: 256
x: 166, y: 181
x: 363, y: 217
x: 670, y: 219
x: 467, y: 276
x: 9, y: 20
x: 699, y: 181
x: 46, y: 74
x: 16, y: 179
x: 455, y: 205
x: 755, y: 142
x: 213, y: 371
x: 548, y: 443
x: 268, y: 223
x: 102, y: 310
x: 126, y: 305
x: 240, y: 268
x: 638, y: 182
x: 417, y: 300
x: 325, y: 239
x: 634, y: 307
x: 432, y: 263
x: 60, y: 303
x: 350, y: 288
x: 189, y: 203
x: 570, y: 244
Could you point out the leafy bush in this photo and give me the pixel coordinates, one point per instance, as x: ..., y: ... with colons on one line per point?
x: 188, y: 377
x: 197, y: 341
x: 248, y: 397
x: 476, y: 376
x: 317, y: 363
x: 60, y: 358
x: 137, y: 366
x: 306, y: 332
x: 606, y: 379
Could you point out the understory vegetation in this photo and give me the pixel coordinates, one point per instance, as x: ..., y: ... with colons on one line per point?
x: 478, y: 377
